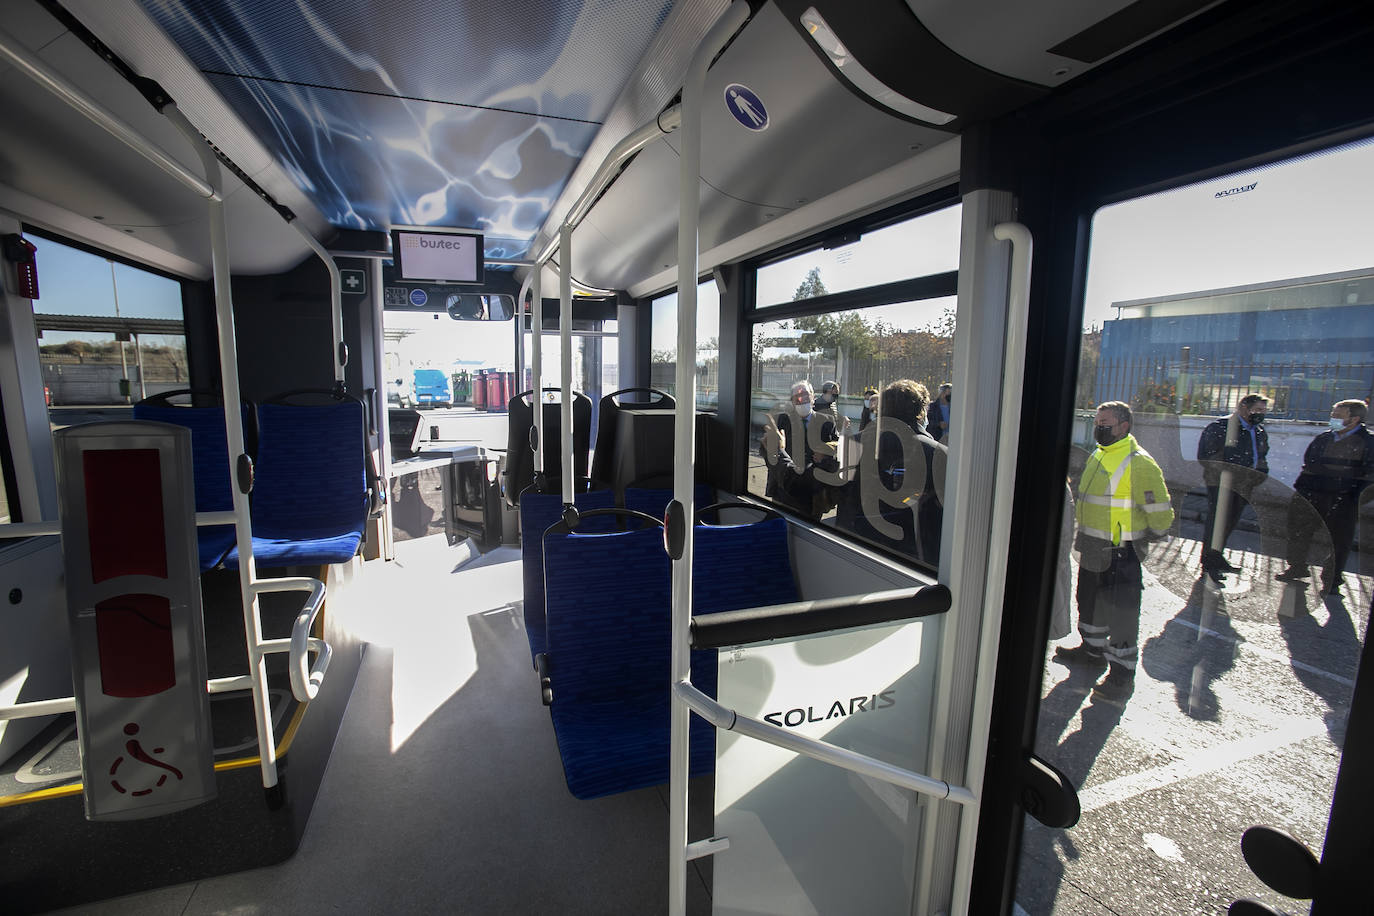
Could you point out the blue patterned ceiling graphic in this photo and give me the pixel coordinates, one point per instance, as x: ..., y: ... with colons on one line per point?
x: 464, y: 113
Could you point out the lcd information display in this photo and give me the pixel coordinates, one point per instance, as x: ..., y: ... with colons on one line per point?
x: 438, y: 256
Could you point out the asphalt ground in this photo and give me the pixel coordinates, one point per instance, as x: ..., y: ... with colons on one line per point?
x: 1237, y: 719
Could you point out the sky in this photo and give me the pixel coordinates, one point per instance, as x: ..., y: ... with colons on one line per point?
x: 74, y: 282
x: 1302, y: 218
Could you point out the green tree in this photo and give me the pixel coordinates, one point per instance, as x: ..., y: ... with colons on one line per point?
x: 811, y: 287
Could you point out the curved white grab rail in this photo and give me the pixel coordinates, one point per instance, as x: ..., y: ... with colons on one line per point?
x: 305, y: 679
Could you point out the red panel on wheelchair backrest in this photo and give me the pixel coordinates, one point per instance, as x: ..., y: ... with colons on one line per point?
x: 124, y: 513
x: 134, y: 634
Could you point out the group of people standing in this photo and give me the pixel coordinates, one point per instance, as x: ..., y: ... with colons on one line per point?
x: 891, y: 487
x: 1123, y: 504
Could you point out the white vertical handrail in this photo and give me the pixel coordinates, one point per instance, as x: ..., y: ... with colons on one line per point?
x: 565, y: 356
x: 537, y: 363
x: 1004, y: 488
x: 233, y: 423
x: 684, y: 422
x: 335, y: 297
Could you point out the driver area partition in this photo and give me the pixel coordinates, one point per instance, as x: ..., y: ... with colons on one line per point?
x: 806, y: 836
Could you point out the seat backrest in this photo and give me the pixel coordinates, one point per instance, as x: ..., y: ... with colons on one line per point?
x: 539, y: 511
x: 603, y: 459
x: 742, y: 566
x: 608, y: 623
x: 311, y: 472
x: 520, y: 469
x: 209, y: 443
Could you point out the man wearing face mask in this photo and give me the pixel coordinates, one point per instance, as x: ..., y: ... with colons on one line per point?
x: 827, y: 400
x: 798, y: 442
x: 1234, y: 454
x: 1336, y: 468
x: 1122, y: 505
x: 870, y: 407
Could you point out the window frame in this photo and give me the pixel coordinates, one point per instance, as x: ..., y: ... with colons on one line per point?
x: 914, y: 289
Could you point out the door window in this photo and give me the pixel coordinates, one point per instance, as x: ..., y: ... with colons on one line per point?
x: 1216, y: 553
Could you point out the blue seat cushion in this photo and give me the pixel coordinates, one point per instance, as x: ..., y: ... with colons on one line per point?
x: 622, y: 744
x: 745, y: 566
x: 213, y: 543
x: 270, y: 553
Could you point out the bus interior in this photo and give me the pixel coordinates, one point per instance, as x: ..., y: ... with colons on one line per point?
x: 626, y: 456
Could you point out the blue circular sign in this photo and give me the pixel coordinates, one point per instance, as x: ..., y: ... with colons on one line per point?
x: 418, y: 297
x: 746, y: 107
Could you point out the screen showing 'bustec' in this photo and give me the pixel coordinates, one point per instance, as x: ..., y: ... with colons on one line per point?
x: 436, y: 256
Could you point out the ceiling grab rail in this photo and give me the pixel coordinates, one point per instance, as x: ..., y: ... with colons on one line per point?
x: 15, y: 53
x: 561, y: 242
x: 1004, y: 488
x: 335, y: 301
x: 684, y: 423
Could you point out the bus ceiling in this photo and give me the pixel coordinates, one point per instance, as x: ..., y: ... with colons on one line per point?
x: 357, y: 124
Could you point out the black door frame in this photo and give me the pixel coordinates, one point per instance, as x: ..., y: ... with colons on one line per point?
x: 1241, y: 85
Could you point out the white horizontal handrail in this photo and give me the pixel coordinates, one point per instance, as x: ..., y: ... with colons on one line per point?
x: 68, y: 704
x: 728, y: 719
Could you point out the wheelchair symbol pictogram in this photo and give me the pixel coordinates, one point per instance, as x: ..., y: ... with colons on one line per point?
x: 135, y: 750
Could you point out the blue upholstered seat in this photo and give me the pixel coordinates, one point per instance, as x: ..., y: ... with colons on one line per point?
x: 608, y: 645
x: 310, y: 493
x: 742, y: 566
x: 210, y: 467
x: 537, y: 512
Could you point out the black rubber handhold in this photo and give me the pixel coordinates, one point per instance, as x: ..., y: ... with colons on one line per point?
x: 675, y: 529
x: 1048, y: 795
x: 1281, y: 861
x: 244, y: 473
x: 275, y: 796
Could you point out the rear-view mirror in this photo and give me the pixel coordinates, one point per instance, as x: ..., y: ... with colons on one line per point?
x: 480, y: 307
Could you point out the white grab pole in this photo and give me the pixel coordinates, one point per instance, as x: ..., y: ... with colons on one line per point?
x: 1009, y: 434
x: 537, y: 363
x: 565, y: 355
x: 684, y: 420
x: 335, y: 296
x: 233, y: 423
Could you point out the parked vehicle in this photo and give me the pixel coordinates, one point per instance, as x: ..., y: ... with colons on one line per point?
x: 433, y: 388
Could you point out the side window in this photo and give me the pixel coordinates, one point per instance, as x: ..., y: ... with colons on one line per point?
x: 109, y: 333
x: 851, y: 406
x: 663, y: 346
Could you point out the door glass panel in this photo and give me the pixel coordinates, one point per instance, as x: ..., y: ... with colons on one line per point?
x: 1222, y: 584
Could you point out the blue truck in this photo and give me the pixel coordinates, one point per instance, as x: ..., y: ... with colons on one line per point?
x: 433, y: 388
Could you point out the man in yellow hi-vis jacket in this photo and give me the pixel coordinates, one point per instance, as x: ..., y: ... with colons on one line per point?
x: 1122, y: 505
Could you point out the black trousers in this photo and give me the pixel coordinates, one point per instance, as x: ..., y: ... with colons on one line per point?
x: 1109, y: 587
x: 1337, y: 511
x: 1236, y: 503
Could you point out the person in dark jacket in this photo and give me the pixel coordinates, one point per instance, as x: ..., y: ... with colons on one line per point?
x: 1336, y: 468
x: 1234, y: 454
x: 937, y: 415
x: 897, y: 498
x: 870, y: 407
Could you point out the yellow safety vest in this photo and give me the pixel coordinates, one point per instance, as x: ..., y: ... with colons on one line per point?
x: 1122, y: 496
